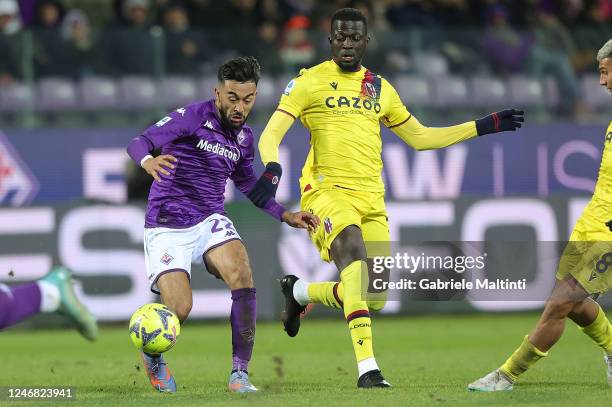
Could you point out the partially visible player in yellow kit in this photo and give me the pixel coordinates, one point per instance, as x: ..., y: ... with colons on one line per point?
x: 585, y: 271
x: 342, y: 104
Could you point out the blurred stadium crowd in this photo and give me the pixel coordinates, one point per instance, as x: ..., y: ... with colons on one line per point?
x: 60, y: 55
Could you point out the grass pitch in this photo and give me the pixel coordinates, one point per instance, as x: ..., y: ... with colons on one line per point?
x: 429, y: 360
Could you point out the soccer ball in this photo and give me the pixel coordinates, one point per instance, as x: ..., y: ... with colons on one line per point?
x: 154, y: 328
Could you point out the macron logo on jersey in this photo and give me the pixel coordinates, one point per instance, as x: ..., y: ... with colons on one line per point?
x: 224, y: 151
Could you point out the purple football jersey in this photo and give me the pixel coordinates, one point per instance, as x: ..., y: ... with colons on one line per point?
x: 208, y: 154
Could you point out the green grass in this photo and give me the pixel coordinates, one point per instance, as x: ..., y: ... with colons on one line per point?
x: 429, y: 360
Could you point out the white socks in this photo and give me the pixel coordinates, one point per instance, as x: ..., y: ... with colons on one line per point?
x: 300, y: 292
x: 366, y: 365
x: 49, y: 296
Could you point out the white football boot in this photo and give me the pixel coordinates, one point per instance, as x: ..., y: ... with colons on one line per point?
x: 494, y: 381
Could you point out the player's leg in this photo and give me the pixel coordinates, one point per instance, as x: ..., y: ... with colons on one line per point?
x: 52, y: 293
x: 230, y: 262
x: 336, y: 211
x: 592, y: 320
x: 349, y: 254
x: 168, y: 256
x: 566, y: 295
x: 175, y: 291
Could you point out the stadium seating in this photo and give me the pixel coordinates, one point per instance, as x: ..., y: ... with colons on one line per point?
x: 267, y: 93
x: 450, y: 92
x: 414, y: 91
x: 594, y: 95
x: 525, y: 92
x: 177, y: 91
x: 14, y: 97
x: 487, y: 92
x: 53, y: 94
x: 141, y: 93
x: 98, y: 93
x: 207, y: 87
x: 137, y: 92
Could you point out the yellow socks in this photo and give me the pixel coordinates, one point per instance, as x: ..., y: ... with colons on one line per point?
x: 356, y: 310
x: 329, y: 293
x: 522, y: 359
x: 600, y: 331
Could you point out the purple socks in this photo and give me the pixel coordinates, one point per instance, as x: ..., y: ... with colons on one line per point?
x: 244, y: 314
x: 19, y: 302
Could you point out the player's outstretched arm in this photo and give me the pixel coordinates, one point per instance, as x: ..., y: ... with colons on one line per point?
x: 266, y: 186
x: 420, y: 137
x: 301, y: 220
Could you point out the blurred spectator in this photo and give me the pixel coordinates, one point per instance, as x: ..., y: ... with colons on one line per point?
x: 237, y: 13
x: 202, y: 13
x: 301, y: 7
x: 270, y: 11
x: 410, y: 13
x: 374, y: 16
x: 598, y: 12
x: 506, y: 49
x: 10, y: 41
x: 552, y: 55
x: 453, y: 12
x: 135, y: 13
x: 49, y: 14
x: 185, y: 48
x: 49, y: 51
x: 129, y: 43
x: 266, y: 51
x: 9, y: 17
x: 296, y: 50
x: 82, y: 58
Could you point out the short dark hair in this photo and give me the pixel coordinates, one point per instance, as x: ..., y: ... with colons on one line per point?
x: 349, y: 14
x: 241, y: 69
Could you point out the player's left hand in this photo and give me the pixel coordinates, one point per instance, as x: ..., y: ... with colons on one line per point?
x: 505, y: 120
x: 301, y: 220
x: 266, y: 186
x: 609, y: 225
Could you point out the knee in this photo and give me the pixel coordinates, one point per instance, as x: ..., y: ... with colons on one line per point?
x: 181, y: 308
x: 558, y: 310
x: 240, y: 276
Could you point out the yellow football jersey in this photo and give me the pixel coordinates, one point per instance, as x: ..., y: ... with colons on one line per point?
x: 599, y: 209
x: 342, y: 111
x: 603, y: 188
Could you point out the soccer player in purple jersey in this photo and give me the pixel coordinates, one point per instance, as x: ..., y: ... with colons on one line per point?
x: 202, y: 145
x: 52, y: 293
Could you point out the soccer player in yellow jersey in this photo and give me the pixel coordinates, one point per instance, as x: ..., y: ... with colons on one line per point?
x: 585, y: 271
x: 342, y: 104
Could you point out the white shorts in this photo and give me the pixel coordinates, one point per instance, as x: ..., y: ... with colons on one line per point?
x: 168, y: 250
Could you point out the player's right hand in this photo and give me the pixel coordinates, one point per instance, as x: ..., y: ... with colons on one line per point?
x: 266, y: 186
x: 609, y: 225
x: 156, y: 165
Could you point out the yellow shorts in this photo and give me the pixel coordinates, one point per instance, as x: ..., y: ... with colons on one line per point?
x: 338, y: 208
x: 588, y: 256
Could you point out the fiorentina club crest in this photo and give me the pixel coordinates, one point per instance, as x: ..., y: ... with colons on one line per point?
x: 18, y: 186
x: 241, y: 137
x: 327, y: 223
x: 166, y: 259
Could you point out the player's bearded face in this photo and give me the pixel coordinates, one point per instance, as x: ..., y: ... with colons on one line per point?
x: 605, y: 73
x: 234, y: 100
x: 348, y: 42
